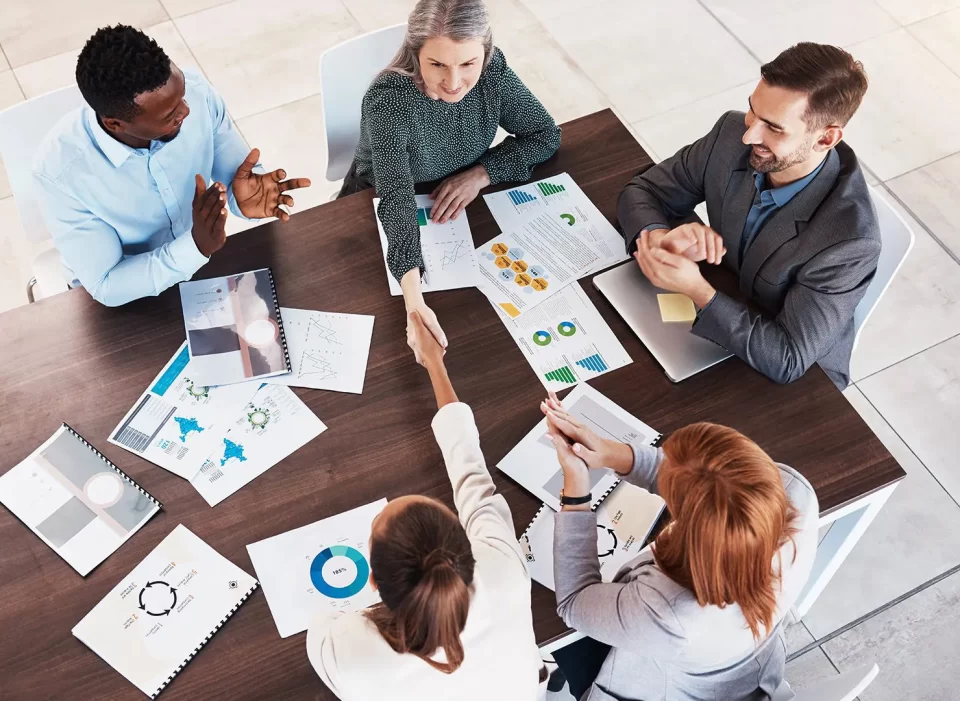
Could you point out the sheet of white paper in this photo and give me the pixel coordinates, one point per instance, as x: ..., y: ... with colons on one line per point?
x: 321, y: 567
x: 565, y: 340
x: 272, y: 426
x: 153, y: 622
x: 177, y: 421
x: 533, y: 462
x: 327, y: 351
x: 448, y: 254
x: 624, y: 520
x: 559, y: 200
x: 75, y: 502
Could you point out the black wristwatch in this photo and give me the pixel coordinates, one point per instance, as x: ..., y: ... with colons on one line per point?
x: 574, y: 501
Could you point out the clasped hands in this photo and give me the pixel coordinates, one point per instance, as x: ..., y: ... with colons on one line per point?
x: 669, y: 259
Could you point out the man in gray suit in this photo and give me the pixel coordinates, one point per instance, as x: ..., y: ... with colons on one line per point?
x: 790, y: 213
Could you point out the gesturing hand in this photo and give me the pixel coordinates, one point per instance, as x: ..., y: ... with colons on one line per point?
x: 672, y: 272
x: 456, y: 192
x: 694, y: 241
x: 260, y: 196
x: 209, y: 216
x: 424, y: 335
x: 596, y: 452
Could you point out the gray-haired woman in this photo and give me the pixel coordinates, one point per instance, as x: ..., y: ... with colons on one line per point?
x: 433, y: 115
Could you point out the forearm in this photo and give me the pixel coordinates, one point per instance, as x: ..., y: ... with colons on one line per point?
x: 412, y: 289
x: 442, y: 387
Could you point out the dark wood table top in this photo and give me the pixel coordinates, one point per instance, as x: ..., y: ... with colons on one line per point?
x: 70, y: 359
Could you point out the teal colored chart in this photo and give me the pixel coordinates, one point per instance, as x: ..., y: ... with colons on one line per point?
x: 321, y: 579
x: 566, y: 328
x: 542, y: 338
x: 232, y: 450
x: 187, y: 426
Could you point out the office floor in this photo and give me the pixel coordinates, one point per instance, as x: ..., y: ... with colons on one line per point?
x: 668, y: 69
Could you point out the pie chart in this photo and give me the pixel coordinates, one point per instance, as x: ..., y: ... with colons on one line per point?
x: 542, y: 338
x: 566, y: 328
x: 339, y: 572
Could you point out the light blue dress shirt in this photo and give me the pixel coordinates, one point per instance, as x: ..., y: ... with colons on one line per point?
x: 122, y: 217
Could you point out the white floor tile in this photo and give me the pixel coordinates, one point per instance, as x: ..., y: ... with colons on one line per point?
x: 179, y: 8
x: 260, y: 56
x: 31, y: 30
x: 4, y: 64
x: 908, y: 117
x: 4, y: 182
x: 782, y: 23
x: 10, y: 93
x: 809, y: 669
x: 59, y: 71
x: 941, y: 34
x: 505, y: 15
x: 909, y: 11
x: 920, y: 399
x: 920, y: 308
x: 16, y: 257
x: 914, y: 644
x: 648, y: 58
x: 796, y: 636
x: 933, y: 194
x: 887, y: 561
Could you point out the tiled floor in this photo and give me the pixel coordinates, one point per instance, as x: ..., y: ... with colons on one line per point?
x: 668, y: 69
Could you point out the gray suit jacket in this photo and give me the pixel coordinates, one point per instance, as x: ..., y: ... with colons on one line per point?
x: 807, y: 268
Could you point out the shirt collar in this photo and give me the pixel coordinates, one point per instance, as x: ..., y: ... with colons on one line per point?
x: 116, y: 152
x: 783, y: 194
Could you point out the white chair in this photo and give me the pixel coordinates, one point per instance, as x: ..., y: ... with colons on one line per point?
x: 844, y: 687
x: 22, y: 128
x: 896, y: 241
x: 346, y: 71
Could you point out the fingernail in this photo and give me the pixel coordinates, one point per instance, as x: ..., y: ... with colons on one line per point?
x: 576, y: 448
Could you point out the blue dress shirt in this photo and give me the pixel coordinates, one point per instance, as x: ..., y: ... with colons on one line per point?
x: 122, y: 217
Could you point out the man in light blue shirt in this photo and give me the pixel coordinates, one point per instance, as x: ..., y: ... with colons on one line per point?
x: 123, y: 180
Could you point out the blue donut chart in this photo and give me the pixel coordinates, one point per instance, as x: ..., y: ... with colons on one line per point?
x: 327, y: 589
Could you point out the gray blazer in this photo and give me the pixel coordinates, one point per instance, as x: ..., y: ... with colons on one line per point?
x: 807, y: 268
x: 665, y: 645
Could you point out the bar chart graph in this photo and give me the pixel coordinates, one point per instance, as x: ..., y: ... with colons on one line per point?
x: 562, y: 374
x: 548, y: 189
x: 423, y: 215
x: 519, y: 197
x: 593, y: 362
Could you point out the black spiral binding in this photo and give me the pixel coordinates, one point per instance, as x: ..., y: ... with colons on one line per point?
x: 204, y: 641
x: 109, y: 463
x: 276, y: 306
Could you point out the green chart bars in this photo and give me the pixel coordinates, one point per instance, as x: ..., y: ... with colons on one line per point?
x: 423, y: 215
x: 550, y: 189
x: 563, y: 374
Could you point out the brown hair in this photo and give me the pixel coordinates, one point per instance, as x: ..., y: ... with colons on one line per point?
x: 730, y: 518
x: 832, y: 79
x: 423, y: 565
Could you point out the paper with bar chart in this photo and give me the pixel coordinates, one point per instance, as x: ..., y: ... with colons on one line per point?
x: 327, y: 351
x: 559, y: 201
x: 533, y: 462
x: 449, y: 259
x: 565, y: 340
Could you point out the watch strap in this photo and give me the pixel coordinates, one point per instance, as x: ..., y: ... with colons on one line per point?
x: 575, y: 501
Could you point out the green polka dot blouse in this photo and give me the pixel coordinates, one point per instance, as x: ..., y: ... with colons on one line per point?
x: 407, y: 138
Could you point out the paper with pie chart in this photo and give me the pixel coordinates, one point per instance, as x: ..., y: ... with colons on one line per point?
x: 273, y: 425
x: 157, y: 618
x: 177, y: 420
x: 327, y: 351
x: 566, y: 341
x: 624, y: 521
x: 324, y: 566
x: 75, y: 500
x: 448, y: 254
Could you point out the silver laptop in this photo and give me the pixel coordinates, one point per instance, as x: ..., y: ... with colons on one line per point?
x: 676, y: 349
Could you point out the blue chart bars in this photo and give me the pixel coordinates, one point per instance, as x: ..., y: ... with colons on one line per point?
x: 593, y: 362
x: 520, y: 197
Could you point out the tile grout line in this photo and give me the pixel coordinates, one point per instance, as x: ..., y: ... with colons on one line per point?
x: 728, y: 31
x: 16, y: 78
x: 876, y: 612
x: 194, y: 12
x: 903, y: 360
x: 922, y: 223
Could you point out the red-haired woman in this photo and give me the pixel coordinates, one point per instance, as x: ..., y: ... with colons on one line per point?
x: 455, y: 621
x: 698, y: 615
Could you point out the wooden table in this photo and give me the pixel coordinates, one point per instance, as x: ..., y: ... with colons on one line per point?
x: 70, y: 359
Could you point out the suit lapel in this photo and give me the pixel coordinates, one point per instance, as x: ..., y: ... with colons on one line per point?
x: 741, y: 190
x: 782, y: 226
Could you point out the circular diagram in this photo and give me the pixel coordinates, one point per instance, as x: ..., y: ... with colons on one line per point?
x: 104, y: 489
x: 566, y: 328
x: 569, y: 218
x: 606, y: 541
x: 197, y: 391
x: 157, y: 598
x: 261, y: 332
x: 542, y: 338
x: 339, y: 572
x: 258, y: 417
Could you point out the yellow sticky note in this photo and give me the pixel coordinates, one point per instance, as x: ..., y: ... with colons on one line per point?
x: 511, y: 310
x: 676, y: 308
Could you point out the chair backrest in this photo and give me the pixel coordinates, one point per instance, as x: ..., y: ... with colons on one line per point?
x: 346, y: 71
x: 22, y: 128
x: 843, y: 687
x: 896, y: 241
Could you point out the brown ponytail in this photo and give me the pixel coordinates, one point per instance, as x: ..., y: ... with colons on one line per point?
x: 423, y: 566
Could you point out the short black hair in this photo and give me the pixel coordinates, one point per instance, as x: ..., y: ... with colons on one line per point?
x: 117, y: 64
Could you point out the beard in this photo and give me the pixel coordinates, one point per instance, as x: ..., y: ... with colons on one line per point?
x: 171, y: 136
x: 775, y: 164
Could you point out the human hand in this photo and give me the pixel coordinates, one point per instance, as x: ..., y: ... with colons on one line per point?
x: 694, y: 241
x: 425, y: 337
x: 596, y: 452
x: 209, y: 216
x: 456, y: 192
x: 672, y: 272
x: 260, y: 196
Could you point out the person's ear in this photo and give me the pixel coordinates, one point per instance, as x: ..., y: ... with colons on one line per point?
x: 112, y: 124
x: 373, y: 582
x: 831, y: 137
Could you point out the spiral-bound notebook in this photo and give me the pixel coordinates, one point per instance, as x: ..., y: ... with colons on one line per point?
x: 160, y: 615
x: 76, y: 501
x: 234, y: 328
x: 533, y: 462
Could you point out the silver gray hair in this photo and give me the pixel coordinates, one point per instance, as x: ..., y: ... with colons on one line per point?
x: 459, y: 20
